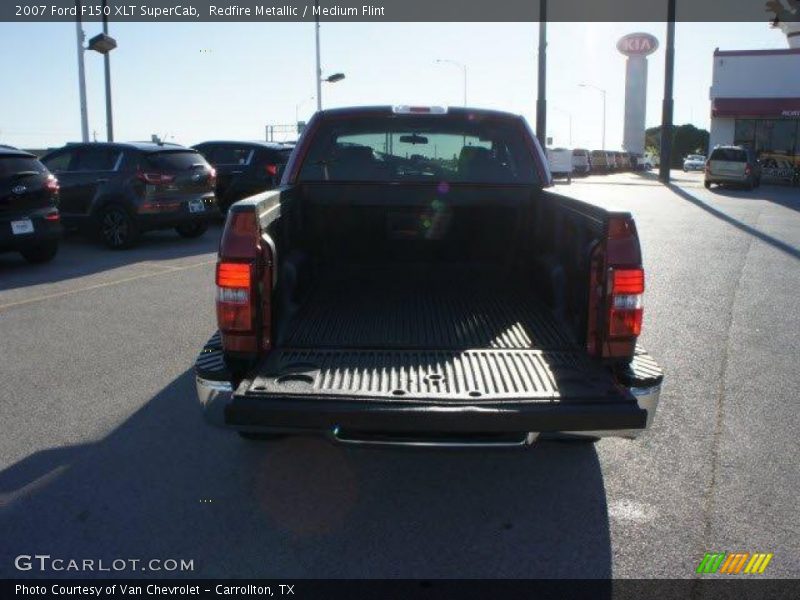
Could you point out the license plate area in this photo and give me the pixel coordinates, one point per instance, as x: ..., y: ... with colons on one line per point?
x: 22, y: 226
x: 196, y: 206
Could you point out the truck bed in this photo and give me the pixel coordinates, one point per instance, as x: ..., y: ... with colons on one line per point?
x: 428, y: 334
x: 419, y: 307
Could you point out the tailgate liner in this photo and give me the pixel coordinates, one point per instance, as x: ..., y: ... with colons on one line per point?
x: 471, y: 377
x: 428, y: 309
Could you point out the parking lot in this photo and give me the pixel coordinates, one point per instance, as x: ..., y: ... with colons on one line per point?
x: 105, y: 453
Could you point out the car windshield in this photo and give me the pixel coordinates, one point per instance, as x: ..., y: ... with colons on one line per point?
x: 695, y: 157
x: 420, y: 149
x: 11, y: 165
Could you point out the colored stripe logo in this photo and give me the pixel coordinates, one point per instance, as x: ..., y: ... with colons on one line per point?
x: 734, y: 563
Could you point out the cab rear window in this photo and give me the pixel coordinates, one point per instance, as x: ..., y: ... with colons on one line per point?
x: 11, y: 165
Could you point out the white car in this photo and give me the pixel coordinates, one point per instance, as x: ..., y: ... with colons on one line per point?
x: 560, y: 162
x: 694, y: 162
x: 580, y: 162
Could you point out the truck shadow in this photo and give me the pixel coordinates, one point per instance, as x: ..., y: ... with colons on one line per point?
x: 80, y: 256
x: 165, y: 485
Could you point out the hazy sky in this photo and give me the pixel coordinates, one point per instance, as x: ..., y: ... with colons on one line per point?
x: 200, y: 81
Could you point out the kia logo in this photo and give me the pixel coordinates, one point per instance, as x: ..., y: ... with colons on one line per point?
x: 19, y: 189
x: 637, y: 44
x: 196, y: 177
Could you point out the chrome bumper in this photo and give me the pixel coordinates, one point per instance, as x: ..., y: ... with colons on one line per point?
x: 214, y: 396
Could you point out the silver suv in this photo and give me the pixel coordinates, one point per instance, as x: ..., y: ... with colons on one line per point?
x: 733, y: 165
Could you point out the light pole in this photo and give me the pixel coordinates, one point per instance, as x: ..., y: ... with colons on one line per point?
x: 81, y: 74
x: 602, y: 91
x: 463, y: 68
x: 104, y: 44
x: 318, y: 76
x: 667, y: 104
x: 569, y: 116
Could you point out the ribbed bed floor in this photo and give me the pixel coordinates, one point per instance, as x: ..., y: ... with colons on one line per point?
x: 424, y: 310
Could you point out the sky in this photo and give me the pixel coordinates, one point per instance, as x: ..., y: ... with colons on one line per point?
x: 190, y: 82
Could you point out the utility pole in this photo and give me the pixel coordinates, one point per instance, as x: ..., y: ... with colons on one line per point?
x: 666, y: 113
x: 81, y: 74
x: 107, y: 64
x: 541, y: 102
x: 319, y: 66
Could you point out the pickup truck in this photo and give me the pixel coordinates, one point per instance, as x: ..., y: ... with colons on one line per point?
x: 412, y: 282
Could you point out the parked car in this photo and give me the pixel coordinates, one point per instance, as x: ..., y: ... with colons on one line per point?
x: 120, y: 190
x: 560, y: 162
x: 244, y: 168
x: 599, y: 161
x: 735, y: 165
x: 581, y: 163
x: 378, y: 299
x: 29, y: 219
x: 694, y: 162
x: 611, y: 160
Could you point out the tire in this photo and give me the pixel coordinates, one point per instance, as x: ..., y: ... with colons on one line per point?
x: 118, y: 229
x: 40, y: 254
x: 192, y: 230
x: 707, y: 184
x: 260, y: 437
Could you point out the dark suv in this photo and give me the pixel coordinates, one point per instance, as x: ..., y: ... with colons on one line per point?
x: 29, y: 218
x: 122, y: 190
x: 244, y: 168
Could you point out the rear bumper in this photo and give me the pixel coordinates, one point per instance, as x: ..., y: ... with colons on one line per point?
x: 43, y: 231
x: 347, y: 419
x: 166, y: 214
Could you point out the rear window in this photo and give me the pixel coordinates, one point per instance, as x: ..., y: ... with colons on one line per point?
x: 420, y: 149
x: 730, y: 154
x: 579, y: 153
x: 180, y: 160
x: 10, y: 165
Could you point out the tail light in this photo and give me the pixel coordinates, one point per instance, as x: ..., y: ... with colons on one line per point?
x: 154, y: 177
x: 51, y: 184
x: 234, y: 296
x: 748, y: 169
x: 244, y: 285
x: 212, y: 176
x: 272, y: 170
x: 53, y: 215
x: 625, y: 304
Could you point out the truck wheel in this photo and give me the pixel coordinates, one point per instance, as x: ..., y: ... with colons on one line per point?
x: 260, y: 437
x: 707, y: 184
x: 40, y: 254
x: 191, y: 230
x: 118, y: 228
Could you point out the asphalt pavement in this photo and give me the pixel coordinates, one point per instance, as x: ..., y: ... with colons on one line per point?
x: 104, y: 453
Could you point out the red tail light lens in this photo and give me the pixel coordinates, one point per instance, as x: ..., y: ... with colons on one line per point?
x: 52, y: 216
x: 234, y: 294
x: 212, y: 176
x: 748, y: 169
x: 272, y: 170
x: 626, y: 307
x: 154, y: 178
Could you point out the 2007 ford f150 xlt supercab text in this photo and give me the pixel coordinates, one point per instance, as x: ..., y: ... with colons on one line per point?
x: 412, y: 282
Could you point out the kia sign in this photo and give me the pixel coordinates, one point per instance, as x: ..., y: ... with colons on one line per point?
x: 637, y: 44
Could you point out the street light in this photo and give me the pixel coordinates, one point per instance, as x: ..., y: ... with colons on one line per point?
x: 569, y: 115
x: 81, y: 73
x: 602, y: 91
x: 463, y: 68
x: 104, y: 44
x: 332, y: 78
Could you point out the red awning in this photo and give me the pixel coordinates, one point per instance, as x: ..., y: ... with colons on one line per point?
x: 755, y: 107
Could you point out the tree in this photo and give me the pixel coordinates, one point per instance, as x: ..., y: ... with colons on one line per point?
x: 686, y: 139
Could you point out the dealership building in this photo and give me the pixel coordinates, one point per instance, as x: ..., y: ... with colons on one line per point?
x: 755, y: 102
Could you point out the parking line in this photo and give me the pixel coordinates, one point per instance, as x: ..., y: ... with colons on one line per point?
x: 102, y: 285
